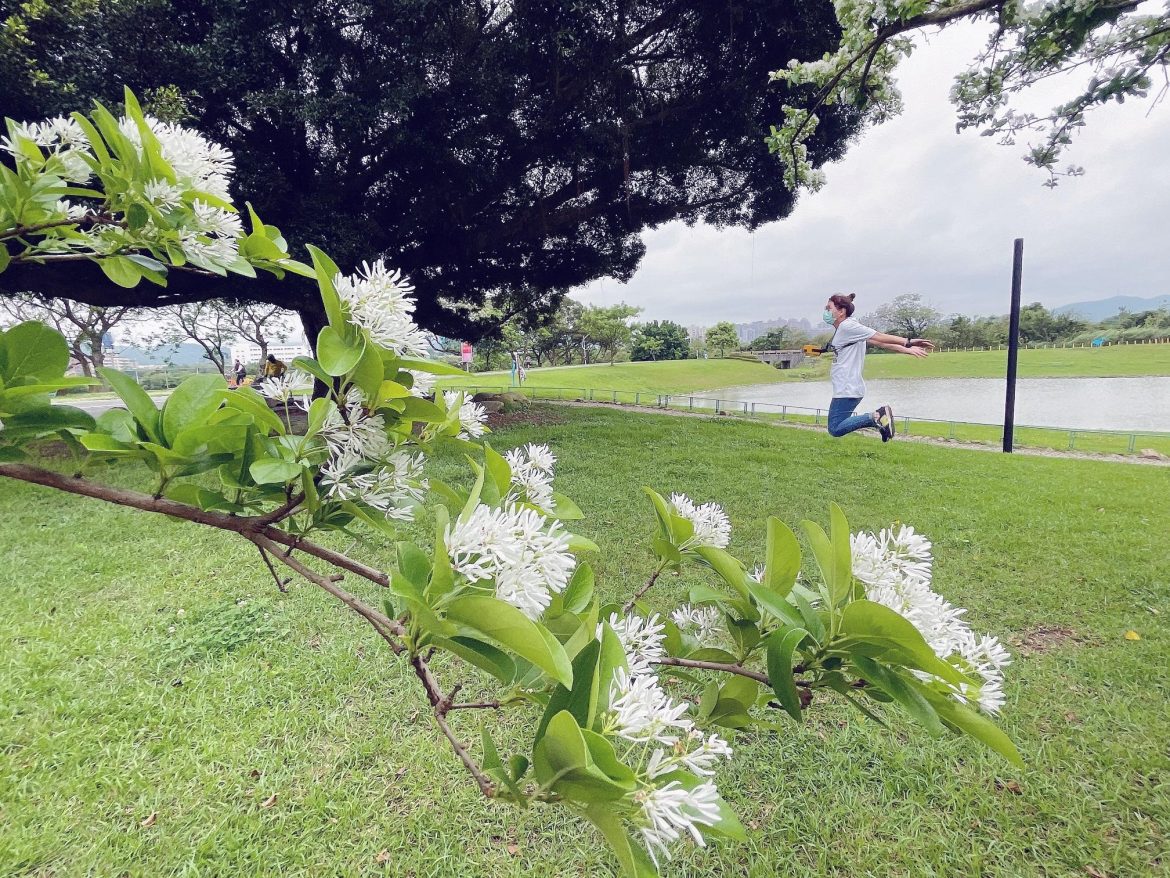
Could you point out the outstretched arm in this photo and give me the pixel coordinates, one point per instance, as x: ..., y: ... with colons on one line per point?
x: 915, y: 347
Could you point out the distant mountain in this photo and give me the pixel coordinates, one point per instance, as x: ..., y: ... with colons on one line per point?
x: 186, y: 355
x: 1099, y: 309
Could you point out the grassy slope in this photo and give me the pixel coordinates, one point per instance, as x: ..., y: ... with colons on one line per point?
x: 680, y: 376
x: 106, y: 717
x: 670, y: 376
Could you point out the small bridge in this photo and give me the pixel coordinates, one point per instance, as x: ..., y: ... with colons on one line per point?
x: 781, y: 359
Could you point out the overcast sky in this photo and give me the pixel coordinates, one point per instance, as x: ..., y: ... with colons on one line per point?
x: 916, y: 208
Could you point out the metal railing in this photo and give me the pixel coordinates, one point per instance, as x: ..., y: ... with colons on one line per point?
x: 1062, y: 438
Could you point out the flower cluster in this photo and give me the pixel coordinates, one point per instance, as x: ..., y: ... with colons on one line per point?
x: 896, y: 570
x: 281, y: 389
x: 524, y: 553
x: 472, y: 416
x: 62, y: 139
x: 532, y: 475
x: 705, y: 622
x: 393, y: 486
x: 350, y: 430
x: 198, y: 163
x: 712, y: 526
x: 643, y: 714
x: 378, y: 300
x: 423, y: 384
x: 640, y: 638
x: 208, y: 235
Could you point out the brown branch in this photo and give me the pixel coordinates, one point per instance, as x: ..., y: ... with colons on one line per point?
x: 645, y: 588
x: 281, y: 584
x: 389, y: 629
x: 281, y: 512
x: 441, y: 705
x: 726, y: 668
x: 476, y: 705
x: 237, y: 524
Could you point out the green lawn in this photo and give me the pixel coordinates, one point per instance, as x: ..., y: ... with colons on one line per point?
x: 1121, y: 360
x: 108, y: 717
x: 669, y: 376
x: 681, y: 376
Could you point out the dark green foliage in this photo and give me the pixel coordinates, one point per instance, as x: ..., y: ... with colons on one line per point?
x: 510, y: 152
x: 660, y: 340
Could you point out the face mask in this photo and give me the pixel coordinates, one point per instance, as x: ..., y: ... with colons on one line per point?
x: 828, y: 317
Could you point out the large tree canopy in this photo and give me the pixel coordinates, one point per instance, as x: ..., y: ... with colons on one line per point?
x: 498, y: 153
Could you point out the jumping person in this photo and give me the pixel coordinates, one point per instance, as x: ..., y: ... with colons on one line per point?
x: 848, y: 348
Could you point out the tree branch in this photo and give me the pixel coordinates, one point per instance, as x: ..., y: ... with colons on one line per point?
x: 441, y: 705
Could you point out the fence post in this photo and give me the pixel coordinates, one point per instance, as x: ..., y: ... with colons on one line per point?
x: 638, y: 398
x: 1072, y: 439
x: 745, y: 409
x: 952, y: 423
x: 906, y: 426
x: 783, y: 412
x: 1132, y: 442
x: 753, y: 409
x: 615, y: 397
x: 817, y: 419
x: 690, y: 403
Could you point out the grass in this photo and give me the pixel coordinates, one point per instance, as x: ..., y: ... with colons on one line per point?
x: 668, y: 376
x: 1113, y: 361
x: 108, y: 716
x: 682, y: 376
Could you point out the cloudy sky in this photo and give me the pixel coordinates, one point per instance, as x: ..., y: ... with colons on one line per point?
x: 916, y: 208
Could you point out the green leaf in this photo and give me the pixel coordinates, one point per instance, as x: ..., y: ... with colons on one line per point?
x: 483, y: 655
x: 45, y: 420
x: 581, y: 699
x: 120, y: 271
x: 326, y: 270
x: 442, y: 575
x: 902, y: 690
x: 842, y: 555
x: 498, y: 469
x: 631, y: 855
x: 137, y: 401
x: 897, y: 636
x: 565, y: 509
x: 823, y: 553
x: 33, y: 350
x: 273, y: 471
x: 509, y: 627
x: 247, y: 400
x: 414, y: 564
x: 781, y: 558
x: 308, y: 364
x: 367, y: 375
x: 781, y: 646
x: 963, y: 719
x: 564, y: 764
x: 191, y: 404
x: 579, y: 592
x: 336, y: 355
x: 730, y: 570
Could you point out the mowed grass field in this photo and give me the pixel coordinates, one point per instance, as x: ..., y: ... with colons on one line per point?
x: 166, y: 712
x: 682, y: 376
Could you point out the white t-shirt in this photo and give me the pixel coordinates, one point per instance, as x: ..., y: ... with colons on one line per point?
x: 848, y: 346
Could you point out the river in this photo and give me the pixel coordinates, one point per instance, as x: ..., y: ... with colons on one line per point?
x: 1127, y: 404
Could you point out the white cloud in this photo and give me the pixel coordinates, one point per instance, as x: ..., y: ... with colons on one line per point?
x: 915, y: 207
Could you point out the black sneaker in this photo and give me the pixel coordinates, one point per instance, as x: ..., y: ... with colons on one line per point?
x: 885, y: 422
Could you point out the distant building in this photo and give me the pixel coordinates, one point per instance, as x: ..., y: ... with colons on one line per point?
x: 249, y: 353
x: 119, y: 361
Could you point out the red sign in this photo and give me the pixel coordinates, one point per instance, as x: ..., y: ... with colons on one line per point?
x: 466, y: 352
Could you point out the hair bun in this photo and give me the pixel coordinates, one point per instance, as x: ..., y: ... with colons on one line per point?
x: 852, y: 296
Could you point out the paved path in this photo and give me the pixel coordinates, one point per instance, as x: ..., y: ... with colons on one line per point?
x: 96, y: 406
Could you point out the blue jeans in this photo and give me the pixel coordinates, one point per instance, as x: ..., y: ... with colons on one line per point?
x: 842, y: 420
